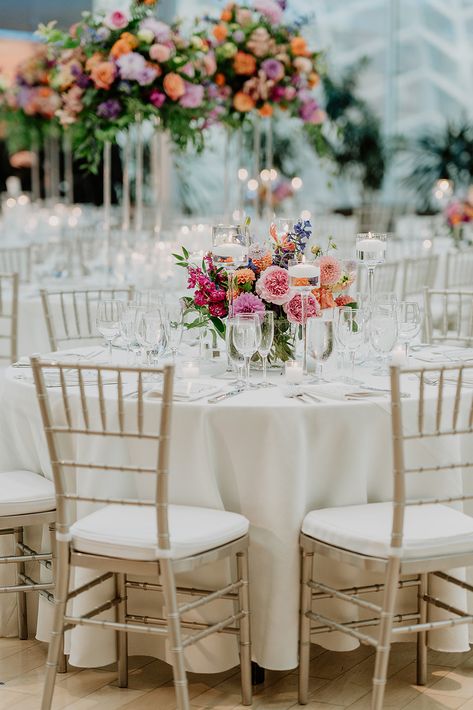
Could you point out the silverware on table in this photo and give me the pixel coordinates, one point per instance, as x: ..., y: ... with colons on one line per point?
x: 225, y: 395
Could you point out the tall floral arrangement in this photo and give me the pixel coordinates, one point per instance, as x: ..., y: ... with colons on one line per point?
x: 115, y: 67
x: 262, y: 63
x: 263, y: 285
x: 459, y: 214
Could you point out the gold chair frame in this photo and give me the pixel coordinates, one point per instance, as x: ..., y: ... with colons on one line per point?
x: 457, y: 329
x: 459, y: 269
x: 9, y: 283
x: 165, y: 567
x: 395, y: 566
x: 17, y: 260
x: 75, y: 327
x: 418, y: 272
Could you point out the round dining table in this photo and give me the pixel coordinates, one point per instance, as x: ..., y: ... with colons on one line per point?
x: 265, y: 454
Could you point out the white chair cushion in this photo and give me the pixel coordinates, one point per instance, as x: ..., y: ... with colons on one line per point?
x: 130, y: 531
x: 23, y: 492
x: 429, y: 530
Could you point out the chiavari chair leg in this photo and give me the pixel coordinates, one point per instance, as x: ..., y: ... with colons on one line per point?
x: 384, y: 643
x: 55, y: 643
x: 244, y: 636
x: 21, y: 596
x: 62, y: 663
x: 174, y: 629
x: 304, y: 631
x: 422, y: 635
x: 122, y: 636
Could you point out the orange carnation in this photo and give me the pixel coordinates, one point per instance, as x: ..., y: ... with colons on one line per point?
x: 220, y: 33
x: 220, y: 79
x: 121, y: 46
x: 265, y: 262
x: 266, y: 110
x: 174, y: 86
x: 103, y: 75
x: 242, y: 102
x: 132, y: 40
x: 244, y: 276
x: 299, y: 47
x: 244, y: 63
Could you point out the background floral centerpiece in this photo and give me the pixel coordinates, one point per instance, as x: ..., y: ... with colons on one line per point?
x: 263, y: 285
x: 458, y: 214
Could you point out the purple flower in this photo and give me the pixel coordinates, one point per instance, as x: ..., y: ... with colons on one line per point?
x: 273, y: 69
x: 133, y: 67
x: 146, y: 76
x: 270, y: 9
x: 82, y: 80
x: 238, y: 36
x: 109, y: 109
x: 157, y: 98
x: 193, y: 96
x: 161, y: 30
x: 308, y: 109
x: 248, y: 303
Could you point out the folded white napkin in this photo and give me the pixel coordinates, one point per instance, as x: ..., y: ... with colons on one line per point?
x: 188, y: 390
x: 444, y: 354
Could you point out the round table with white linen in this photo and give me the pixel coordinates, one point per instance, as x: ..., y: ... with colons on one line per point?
x: 262, y: 454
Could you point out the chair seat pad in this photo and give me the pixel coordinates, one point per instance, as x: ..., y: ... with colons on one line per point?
x: 23, y: 492
x: 429, y: 530
x: 129, y: 531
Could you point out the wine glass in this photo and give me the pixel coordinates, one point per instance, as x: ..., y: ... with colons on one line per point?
x: 351, y: 333
x: 266, y: 343
x: 174, y: 319
x: 320, y: 341
x: 383, y: 332
x: 128, y: 327
x: 107, y: 320
x: 235, y: 357
x: 246, y: 334
x: 230, y: 250
x: 151, y: 334
x: 410, y: 322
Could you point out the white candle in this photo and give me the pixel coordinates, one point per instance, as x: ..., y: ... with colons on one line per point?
x: 294, y: 373
x: 190, y: 370
x: 371, y: 245
x: 304, y: 271
x: 13, y: 184
x: 229, y: 249
x: 398, y: 356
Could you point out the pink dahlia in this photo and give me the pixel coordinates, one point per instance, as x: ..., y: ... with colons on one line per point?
x: 330, y: 270
x: 294, y: 308
x: 248, y: 303
x: 273, y: 285
x: 344, y: 300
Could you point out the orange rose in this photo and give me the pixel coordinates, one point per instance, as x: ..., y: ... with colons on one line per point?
x: 131, y: 39
x: 299, y: 47
x: 226, y: 15
x: 244, y: 63
x: 314, y: 79
x: 120, y: 47
x: 92, y: 61
x: 174, y: 86
x: 220, y: 33
x: 103, y: 75
x: 242, y: 102
x: 220, y: 79
x: 266, y: 110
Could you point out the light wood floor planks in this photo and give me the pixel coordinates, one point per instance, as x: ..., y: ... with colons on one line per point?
x: 338, y: 680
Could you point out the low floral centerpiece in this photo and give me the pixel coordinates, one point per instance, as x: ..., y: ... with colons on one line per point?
x: 458, y: 214
x: 263, y: 284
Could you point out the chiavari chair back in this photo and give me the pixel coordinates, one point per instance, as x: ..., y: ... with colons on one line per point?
x: 459, y: 269
x: 385, y: 277
x: 419, y: 536
x: 448, y: 316
x: 70, y: 313
x: 16, y: 260
x: 9, y: 284
x: 114, y: 515
x: 418, y: 273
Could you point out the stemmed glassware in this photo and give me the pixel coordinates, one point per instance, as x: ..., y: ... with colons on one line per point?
x: 236, y: 359
x: 173, y: 312
x: 107, y: 320
x: 410, y: 322
x: 320, y: 341
x: 230, y: 250
x: 128, y: 328
x: 246, y: 334
x: 371, y: 251
x: 151, y: 334
x: 351, y: 333
x: 267, y: 337
x: 283, y: 225
x: 383, y: 331
x: 304, y: 276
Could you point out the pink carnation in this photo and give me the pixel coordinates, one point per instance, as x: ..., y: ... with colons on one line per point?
x: 117, y: 20
x: 330, y: 270
x: 270, y: 9
x: 344, y: 300
x: 293, y: 309
x: 248, y: 303
x: 159, y: 52
x: 273, y: 285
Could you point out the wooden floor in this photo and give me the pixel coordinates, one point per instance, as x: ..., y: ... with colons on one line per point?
x: 338, y: 680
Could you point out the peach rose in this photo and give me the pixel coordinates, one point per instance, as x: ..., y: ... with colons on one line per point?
x: 303, y: 64
x: 244, y: 63
x: 92, y: 61
x: 242, y: 102
x: 159, y: 52
x: 174, y: 86
x: 220, y: 33
x: 131, y: 39
x: 120, y: 47
x: 299, y: 46
x: 266, y: 110
x: 103, y: 75
x: 314, y: 79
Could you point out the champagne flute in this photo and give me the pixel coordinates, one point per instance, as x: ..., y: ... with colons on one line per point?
x: 107, y: 321
x: 174, y: 321
x: 410, y: 322
x: 246, y: 334
x: 266, y: 343
x: 236, y: 359
x: 351, y: 333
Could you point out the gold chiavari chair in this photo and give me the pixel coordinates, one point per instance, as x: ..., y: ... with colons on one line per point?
x: 448, y: 316
x: 409, y: 540
x: 133, y: 536
x: 70, y: 313
x: 418, y: 273
x: 16, y: 260
x: 385, y: 277
x: 459, y: 269
x: 9, y: 317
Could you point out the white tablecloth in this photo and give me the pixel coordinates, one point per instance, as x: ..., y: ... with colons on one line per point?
x: 268, y: 457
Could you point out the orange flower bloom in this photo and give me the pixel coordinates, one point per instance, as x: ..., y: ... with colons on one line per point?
x: 103, y: 75
x: 265, y: 261
x: 299, y: 47
x: 220, y: 33
x: 325, y: 297
x: 314, y: 79
x: 220, y: 79
x: 130, y: 38
x: 242, y: 102
x: 92, y: 61
x: 226, y: 15
x: 120, y: 47
x: 174, y: 86
x: 301, y: 282
x: 244, y: 63
x: 244, y: 276
x: 266, y: 110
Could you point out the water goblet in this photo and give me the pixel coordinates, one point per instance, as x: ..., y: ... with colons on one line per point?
x: 173, y: 312
x: 351, y: 334
x: 151, y: 334
x: 266, y: 343
x: 246, y: 335
x: 410, y: 322
x: 320, y: 342
x: 236, y: 359
x: 384, y: 330
x: 128, y: 328
x: 107, y: 320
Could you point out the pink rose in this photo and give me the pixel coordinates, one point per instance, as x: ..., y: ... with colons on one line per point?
x: 303, y: 65
x: 193, y: 96
x: 273, y: 285
x: 210, y: 64
x: 290, y: 93
x: 293, y: 308
x: 117, y: 20
x: 159, y: 52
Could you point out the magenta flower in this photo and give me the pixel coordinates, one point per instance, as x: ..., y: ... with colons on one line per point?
x: 330, y: 270
x: 248, y: 303
x: 157, y: 98
x: 293, y: 308
x: 193, y: 97
x: 273, y: 69
x: 273, y: 285
x: 117, y: 20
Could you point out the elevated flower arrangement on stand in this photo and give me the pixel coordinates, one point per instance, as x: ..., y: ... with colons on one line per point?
x: 264, y: 285
x: 459, y: 214
x: 126, y: 66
